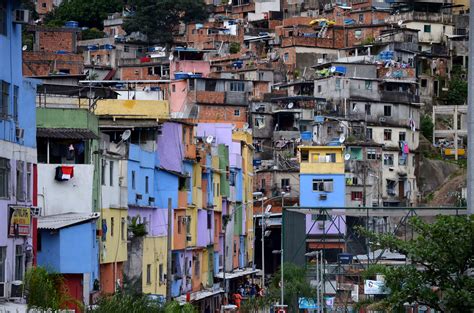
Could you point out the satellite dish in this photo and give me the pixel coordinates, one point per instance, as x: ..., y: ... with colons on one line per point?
x: 246, y: 126
x: 342, y: 138
x: 126, y: 135
x: 400, y: 22
x: 209, y: 139
x: 233, y: 126
x: 268, y: 208
x: 230, y: 2
x: 347, y: 156
x: 24, y: 48
x: 333, y: 69
x: 171, y: 57
x: 290, y: 105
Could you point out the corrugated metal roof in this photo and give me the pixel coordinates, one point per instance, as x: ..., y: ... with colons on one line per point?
x: 59, y: 221
x: 65, y: 133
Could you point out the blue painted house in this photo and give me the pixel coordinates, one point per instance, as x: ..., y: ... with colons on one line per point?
x: 17, y: 149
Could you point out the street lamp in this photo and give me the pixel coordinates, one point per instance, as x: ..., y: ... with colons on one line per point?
x: 281, y: 305
x: 260, y: 194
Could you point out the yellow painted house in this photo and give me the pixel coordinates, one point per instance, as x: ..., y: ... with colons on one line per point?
x: 154, y: 265
x: 321, y: 159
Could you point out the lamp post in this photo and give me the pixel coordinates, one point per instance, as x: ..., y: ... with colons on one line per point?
x: 260, y: 194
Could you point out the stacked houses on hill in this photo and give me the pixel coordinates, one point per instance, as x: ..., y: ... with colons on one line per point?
x: 140, y: 164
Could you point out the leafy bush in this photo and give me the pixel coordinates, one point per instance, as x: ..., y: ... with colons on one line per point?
x: 234, y: 47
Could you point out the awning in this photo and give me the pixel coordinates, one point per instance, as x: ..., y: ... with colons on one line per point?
x: 199, y: 295
x: 65, y: 133
x: 59, y: 221
x: 237, y: 273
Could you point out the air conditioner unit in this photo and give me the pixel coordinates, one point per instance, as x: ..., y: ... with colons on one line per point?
x: 16, y: 290
x: 21, y: 16
x: 3, y: 290
x: 382, y: 119
x: 189, y: 237
x: 138, y: 196
x: 19, y: 133
x: 321, y: 226
x: 323, y: 196
x: 151, y: 200
x: 36, y: 211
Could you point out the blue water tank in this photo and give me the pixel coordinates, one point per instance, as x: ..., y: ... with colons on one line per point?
x: 72, y: 24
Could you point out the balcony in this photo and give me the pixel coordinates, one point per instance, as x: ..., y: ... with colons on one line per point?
x: 432, y: 17
x: 399, y: 97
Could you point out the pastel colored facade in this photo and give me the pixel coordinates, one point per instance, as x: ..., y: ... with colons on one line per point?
x: 322, y: 184
x: 139, y: 109
x: 18, y: 155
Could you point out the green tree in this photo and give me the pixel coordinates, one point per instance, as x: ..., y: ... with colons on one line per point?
x: 159, y: 19
x: 89, y: 13
x: 442, y: 256
x: 92, y: 33
x: 45, y: 290
x: 296, y: 284
x: 234, y: 47
x: 457, y: 93
x: 426, y: 126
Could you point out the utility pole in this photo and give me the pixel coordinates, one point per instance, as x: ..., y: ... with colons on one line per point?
x: 470, y: 117
x: 169, y: 252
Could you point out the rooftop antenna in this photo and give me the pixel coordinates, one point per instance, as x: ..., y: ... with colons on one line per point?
x: 125, y: 136
x: 209, y: 139
x: 342, y: 138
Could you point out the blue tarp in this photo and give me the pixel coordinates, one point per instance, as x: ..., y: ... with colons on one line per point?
x: 307, y: 303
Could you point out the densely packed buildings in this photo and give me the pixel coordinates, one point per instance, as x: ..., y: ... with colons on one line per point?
x: 316, y: 103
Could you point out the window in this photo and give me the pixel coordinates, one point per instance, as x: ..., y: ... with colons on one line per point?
x: 387, y: 134
x: 424, y: 83
x: 126, y: 48
x: 285, y: 182
x: 331, y: 157
x: 191, y: 84
x: 20, y: 181
x: 367, y: 109
x: 28, y: 181
x: 232, y: 178
x: 368, y: 85
x: 356, y: 195
x: 209, y: 219
x: 371, y: 154
x: 361, y: 18
x: 402, y: 136
x: 146, y: 184
x: 4, y: 178
x: 148, y: 274
x: 236, y: 112
x: 286, y: 56
x: 3, y: 257
x: 387, y: 110
x: 326, y: 185
x: 16, y: 91
x: 188, y: 225
x: 161, y: 272
x: 3, y: 18
x: 369, y: 134
x: 111, y: 177
x: 388, y: 159
x: 4, y: 99
x: 133, y: 180
x: 102, y: 172
x: 210, y: 85
x: 237, y: 86
x: 19, y: 262
x: 123, y: 229
x: 180, y: 221
x: 173, y: 88
x: 304, y: 155
x: 112, y: 226
x: 427, y: 28
x: 197, y: 267
x: 357, y: 33
x: 320, y: 89
x: 338, y: 84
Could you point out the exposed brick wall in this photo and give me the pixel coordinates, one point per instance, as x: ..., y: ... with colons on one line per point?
x: 366, y: 32
x: 137, y: 72
x: 44, y: 6
x: 213, y: 97
x: 223, y: 114
x: 56, y: 39
x: 45, y: 63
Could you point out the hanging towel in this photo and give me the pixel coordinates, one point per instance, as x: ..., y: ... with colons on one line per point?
x: 64, y: 173
x: 406, y: 150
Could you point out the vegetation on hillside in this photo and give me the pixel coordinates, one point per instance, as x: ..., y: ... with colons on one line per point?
x: 159, y: 19
x: 442, y: 257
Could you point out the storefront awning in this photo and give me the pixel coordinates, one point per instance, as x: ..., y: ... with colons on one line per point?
x: 65, y: 133
x: 199, y: 295
x: 237, y: 273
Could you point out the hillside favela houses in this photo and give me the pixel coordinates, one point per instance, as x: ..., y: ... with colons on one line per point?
x: 178, y: 171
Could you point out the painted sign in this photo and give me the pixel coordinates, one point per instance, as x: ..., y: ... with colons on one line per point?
x: 375, y: 287
x: 20, y: 221
x: 307, y: 303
